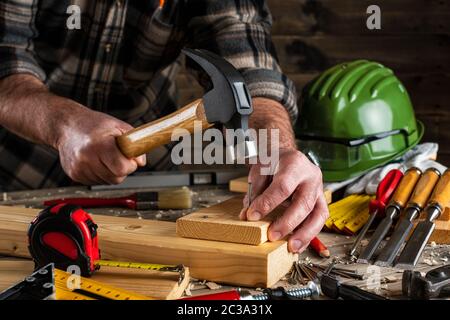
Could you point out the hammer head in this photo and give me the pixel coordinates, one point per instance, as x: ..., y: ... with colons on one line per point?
x: 228, y: 102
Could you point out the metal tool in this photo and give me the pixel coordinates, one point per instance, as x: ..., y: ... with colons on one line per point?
x: 331, y: 287
x: 436, y: 283
x: 311, y: 290
x: 249, y: 195
x: 228, y: 103
x: 160, y: 179
x: 37, y: 286
x: 440, y: 199
x: 398, y: 201
x: 416, y: 203
x: 385, y: 190
x: 67, y: 236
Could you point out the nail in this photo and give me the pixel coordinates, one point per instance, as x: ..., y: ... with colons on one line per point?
x: 242, y: 214
x: 274, y: 236
x: 254, y: 215
x: 296, y: 245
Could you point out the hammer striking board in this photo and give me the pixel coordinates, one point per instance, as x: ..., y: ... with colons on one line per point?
x: 155, y: 284
x: 221, y: 223
x: 241, y: 185
x: 148, y: 241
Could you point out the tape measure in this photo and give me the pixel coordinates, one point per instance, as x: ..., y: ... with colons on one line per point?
x: 67, y: 236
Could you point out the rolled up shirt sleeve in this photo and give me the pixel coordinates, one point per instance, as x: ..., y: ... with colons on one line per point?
x: 17, y: 32
x: 240, y: 31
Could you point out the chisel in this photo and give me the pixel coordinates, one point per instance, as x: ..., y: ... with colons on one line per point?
x: 416, y: 203
x: 385, y: 190
x: 393, y: 209
x: 440, y: 199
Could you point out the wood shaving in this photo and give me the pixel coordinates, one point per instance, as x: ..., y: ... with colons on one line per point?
x: 213, y: 286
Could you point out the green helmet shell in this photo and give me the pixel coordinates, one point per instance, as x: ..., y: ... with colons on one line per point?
x: 356, y: 100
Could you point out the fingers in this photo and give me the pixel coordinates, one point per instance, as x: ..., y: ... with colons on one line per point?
x: 310, y: 227
x: 302, y: 204
x: 117, y: 164
x: 282, y: 186
x: 141, y: 161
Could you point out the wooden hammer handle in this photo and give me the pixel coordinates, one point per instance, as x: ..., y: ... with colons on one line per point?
x: 142, y: 139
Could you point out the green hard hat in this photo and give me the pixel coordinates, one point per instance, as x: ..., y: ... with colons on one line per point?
x: 354, y: 117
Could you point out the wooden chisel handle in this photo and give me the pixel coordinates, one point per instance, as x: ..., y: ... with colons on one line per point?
x: 441, y: 194
x: 142, y: 139
x: 405, y: 187
x: 424, y: 188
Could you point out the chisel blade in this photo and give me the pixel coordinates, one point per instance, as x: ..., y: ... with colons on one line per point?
x: 393, y: 246
x: 415, y: 245
x: 376, y: 239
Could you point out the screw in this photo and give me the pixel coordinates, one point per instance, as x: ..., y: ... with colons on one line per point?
x: 310, y: 290
x: 43, y: 271
x: 47, y: 285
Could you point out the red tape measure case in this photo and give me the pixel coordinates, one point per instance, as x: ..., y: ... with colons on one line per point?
x: 65, y: 235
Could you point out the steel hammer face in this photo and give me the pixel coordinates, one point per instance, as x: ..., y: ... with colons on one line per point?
x: 228, y: 103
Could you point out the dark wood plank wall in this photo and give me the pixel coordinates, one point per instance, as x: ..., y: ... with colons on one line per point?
x: 312, y: 35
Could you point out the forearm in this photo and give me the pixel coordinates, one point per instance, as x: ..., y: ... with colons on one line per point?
x: 270, y: 114
x: 29, y: 110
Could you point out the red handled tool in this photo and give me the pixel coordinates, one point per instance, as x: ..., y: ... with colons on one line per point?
x: 385, y: 191
x: 173, y: 198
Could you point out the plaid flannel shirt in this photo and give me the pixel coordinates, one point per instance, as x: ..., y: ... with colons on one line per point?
x: 123, y: 62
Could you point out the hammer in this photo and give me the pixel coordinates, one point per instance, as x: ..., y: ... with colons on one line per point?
x: 436, y: 283
x: 228, y: 104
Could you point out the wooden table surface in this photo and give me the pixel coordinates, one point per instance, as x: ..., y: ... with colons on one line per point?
x: 385, y: 281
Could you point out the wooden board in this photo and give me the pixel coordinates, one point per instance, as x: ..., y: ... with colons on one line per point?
x: 159, y: 285
x: 156, y: 242
x: 222, y: 223
x: 241, y: 185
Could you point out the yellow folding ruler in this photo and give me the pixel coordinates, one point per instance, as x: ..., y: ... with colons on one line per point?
x: 73, y: 287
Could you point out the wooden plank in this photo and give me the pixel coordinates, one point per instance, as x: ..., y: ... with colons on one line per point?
x: 159, y: 285
x: 241, y: 185
x: 156, y: 242
x: 222, y: 223
x: 348, y: 17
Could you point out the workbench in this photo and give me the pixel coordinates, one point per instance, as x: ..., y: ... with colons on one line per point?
x: 389, y: 283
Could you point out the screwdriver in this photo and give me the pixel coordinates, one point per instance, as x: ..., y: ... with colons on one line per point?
x: 416, y: 203
x: 440, y: 199
x: 384, y: 192
x: 393, y: 209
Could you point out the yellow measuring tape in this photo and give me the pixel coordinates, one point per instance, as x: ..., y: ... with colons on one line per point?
x: 73, y: 287
x: 136, y: 265
x: 145, y: 266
